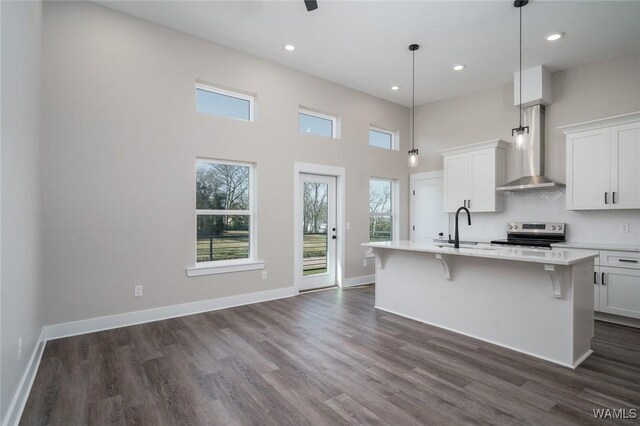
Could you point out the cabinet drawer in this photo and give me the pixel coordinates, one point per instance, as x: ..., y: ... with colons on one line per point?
x: 620, y: 259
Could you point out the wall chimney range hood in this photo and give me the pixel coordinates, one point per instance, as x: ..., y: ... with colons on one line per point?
x: 533, y: 156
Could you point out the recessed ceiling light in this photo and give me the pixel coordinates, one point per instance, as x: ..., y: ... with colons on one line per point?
x: 289, y: 47
x: 459, y: 67
x: 394, y: 88
x: 555, y: 36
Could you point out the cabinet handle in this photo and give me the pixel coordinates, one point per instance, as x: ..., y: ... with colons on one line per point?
x: 605, y: 198
x: 464, y: 203
x: 628, y: 260
x: 469, y: 203
x: 595, y: 277
x: 603, y: 283
x: 613, y: 197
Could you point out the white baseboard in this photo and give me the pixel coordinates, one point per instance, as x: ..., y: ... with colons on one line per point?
x: 24, y: 386
x: 356, y: 281
x: 92, y: 325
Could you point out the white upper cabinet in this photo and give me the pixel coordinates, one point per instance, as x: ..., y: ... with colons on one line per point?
x: 456, y: 180
x: 602, y: 164
x: 471, y: 175
x: 588, y: 175
x: 625, y: 166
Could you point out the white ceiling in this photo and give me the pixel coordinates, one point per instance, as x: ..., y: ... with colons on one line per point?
x: 364, y: 45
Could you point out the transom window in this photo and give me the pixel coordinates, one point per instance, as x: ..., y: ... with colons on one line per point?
x: 380, y: 138
x: 224, y: 211
x: 381, y: 212
x: 224, y: 103
x: 315, y: 123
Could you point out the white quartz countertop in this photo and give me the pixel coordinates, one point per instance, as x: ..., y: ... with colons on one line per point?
x: 556, y: 256
x: 598, y: 246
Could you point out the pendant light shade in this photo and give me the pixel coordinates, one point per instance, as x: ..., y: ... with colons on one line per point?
x: 413, y: 153
x: 520, y: 134
x: 414, y: 160
x: 520, y: 138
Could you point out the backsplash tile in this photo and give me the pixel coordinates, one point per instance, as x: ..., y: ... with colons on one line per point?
x: 599, y: 226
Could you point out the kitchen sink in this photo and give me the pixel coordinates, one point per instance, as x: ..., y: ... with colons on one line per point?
x: 465, y: 246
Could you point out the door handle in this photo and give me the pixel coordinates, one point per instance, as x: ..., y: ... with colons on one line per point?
x: 603, y: 283
x: 333, y: 237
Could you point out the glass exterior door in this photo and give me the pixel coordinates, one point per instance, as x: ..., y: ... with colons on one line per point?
x: 318, y: 195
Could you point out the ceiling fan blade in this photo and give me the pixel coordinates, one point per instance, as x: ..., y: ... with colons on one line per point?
x: 311, y: 5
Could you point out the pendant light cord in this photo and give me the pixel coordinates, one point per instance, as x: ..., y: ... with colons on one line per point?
x: 413, y: 103
x: 520, y: 100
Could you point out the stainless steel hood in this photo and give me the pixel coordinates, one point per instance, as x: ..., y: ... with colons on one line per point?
x: 533, y: 156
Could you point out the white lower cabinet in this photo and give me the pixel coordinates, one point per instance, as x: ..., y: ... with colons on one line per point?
x: 616, y: 289
x: 620, y: 291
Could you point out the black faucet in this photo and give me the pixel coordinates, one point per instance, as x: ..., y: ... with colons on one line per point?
x: 456, y: 240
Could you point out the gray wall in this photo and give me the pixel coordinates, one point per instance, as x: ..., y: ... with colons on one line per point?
x: 584, y: 93
x: 20, y: 263
x: 121, y: 138
x: 589, y: 92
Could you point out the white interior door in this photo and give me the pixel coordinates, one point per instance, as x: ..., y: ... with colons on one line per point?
x: 318, y: 200
x: 428, y: 218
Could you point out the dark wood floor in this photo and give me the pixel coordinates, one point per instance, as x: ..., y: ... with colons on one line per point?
x: 321, y: 358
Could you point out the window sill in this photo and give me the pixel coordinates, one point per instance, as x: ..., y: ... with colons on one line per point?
x: 224, y: 268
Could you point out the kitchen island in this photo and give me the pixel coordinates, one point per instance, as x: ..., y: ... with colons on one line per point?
x: 538, y: 302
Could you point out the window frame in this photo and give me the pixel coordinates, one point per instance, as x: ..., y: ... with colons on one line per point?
x: 229, y: 264
x: 335, y: 122
x: 229, y: 93
x: 392, y: 133
x: 394, y: 205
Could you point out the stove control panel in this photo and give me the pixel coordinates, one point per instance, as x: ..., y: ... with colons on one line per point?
x: 535, y: 228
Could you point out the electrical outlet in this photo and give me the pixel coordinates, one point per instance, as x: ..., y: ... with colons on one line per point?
x: 264, y: 275
x: 137, y: 291
x: 348, y: 225
x: 624, y: 227
x: 364, y: 263
x: 19, y: 348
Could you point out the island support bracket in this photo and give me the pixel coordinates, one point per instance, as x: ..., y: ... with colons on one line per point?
x: 556, y: 285
x: 380, y: 258
x: 445, y: 265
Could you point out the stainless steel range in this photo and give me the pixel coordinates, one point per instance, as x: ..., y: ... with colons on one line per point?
x: 533, y: 234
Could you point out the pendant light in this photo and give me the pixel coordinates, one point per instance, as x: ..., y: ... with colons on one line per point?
x: 521, y: 133
x: 413, y: 153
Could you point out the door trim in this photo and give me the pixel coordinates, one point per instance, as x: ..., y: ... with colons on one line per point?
x: 318, y: 169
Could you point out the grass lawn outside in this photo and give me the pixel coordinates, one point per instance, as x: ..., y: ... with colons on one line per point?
x: 235, y: 245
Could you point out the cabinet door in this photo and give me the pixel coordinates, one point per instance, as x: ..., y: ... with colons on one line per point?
x: 620, y: 291
x: 625, y: 167
x: 456, y: 181
x: 482, y: 182
x: 588, y: 170
x: 596, y: 288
